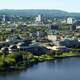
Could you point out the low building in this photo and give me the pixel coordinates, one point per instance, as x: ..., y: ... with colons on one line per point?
x: 52, y: 37
x: 12, y: 48
x: 36, y: 49
x: 4, y: 50
x: 70, y: 43
x: 14, y: 39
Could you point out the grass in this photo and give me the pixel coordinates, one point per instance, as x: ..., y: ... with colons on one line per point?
x: 69, y: 54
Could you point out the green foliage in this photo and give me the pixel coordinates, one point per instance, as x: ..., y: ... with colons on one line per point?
x: 10, y: 59
x: 27, y: 56
x: 23, y: 59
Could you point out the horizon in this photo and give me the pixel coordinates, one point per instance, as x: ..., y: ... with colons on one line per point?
x: 64, y: 5
x: 42, y: 9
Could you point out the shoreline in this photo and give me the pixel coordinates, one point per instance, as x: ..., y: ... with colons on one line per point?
x: 19, y: 68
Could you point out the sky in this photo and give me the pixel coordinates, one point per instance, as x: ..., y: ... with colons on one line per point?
x: 66, y: 5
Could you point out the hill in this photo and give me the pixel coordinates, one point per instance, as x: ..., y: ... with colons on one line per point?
x: 33, y: 12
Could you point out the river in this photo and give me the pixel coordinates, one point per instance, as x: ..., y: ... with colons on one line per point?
x: 60, y: 69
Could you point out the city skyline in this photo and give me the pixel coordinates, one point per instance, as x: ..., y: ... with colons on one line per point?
x: 66, y: 5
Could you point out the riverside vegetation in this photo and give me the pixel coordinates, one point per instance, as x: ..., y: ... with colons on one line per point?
x: 22, y: 60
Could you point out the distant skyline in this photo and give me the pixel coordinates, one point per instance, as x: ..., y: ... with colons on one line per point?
x: 66, y: 5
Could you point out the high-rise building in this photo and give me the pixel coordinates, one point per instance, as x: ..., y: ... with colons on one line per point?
x: 38, y: 18
x: 3, y: 19
x: 6, y: 18
x: 69, y: 20
x: 76, y: 25
x: 54, y: 27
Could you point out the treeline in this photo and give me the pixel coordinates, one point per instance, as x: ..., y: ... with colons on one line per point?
x: 22, y: 60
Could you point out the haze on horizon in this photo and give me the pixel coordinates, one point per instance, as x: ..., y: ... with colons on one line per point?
x: 66, y: 5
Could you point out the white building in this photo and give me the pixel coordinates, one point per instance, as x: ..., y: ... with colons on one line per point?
x: 52, y: 37
x: 38, y: 18
x: 69, y: 20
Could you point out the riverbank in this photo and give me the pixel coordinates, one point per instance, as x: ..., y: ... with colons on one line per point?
x: 20, y: 61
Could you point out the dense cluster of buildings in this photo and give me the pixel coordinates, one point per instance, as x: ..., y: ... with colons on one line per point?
x: 52, y: 30
x: 55, y: 23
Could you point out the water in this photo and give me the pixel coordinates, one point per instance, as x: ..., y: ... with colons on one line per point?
x: 63, y: 69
